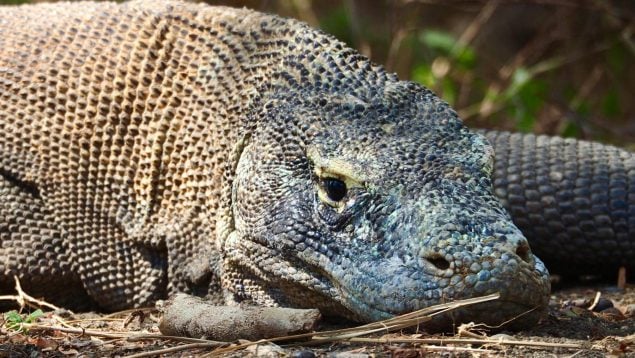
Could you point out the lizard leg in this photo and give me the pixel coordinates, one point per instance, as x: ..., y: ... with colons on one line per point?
x: 33, y: 248
x: 118, y: 270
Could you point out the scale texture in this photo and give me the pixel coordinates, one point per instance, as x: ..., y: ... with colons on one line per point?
x: 148, y: 148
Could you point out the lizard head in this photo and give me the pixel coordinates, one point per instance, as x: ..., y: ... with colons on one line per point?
x: 373, y: 207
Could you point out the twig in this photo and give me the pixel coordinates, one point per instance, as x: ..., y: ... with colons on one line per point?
x: 61, y: 321
x: 129, y: 311
x: 395, y: 45
x: 575, y: 354
x: 596, y: 300
x: 395, y: 323
x: 122, y: 335
x: 466, y: 330
x: 474, y: 27
x: 97, y: 319
x: 587, y: 87
x: 388, y: 325
x: 23, y: 299
x: 621, y: 278
x: 484, y: 341
x: 80, y: 331
x: 627, y: 38
x: 534, y: 48
x: 361, y: 41
x: 455, y: 349
x: 487, y: 109
x: 174, y: 349
x: 347, y: 334
x: 144, y: 337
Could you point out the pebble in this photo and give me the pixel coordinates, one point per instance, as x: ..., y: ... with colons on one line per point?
x: 269, y: 350
x: 503, y: 337
x: 348, y: 355
x: 602, y: 305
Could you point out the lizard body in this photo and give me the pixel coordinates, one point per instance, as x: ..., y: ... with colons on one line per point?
x: 155, y: 147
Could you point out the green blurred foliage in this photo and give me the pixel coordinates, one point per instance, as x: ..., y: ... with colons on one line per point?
x: 337, y: 22
x: 550, y: 66
x: 15, y: 321
x: 557, y: 67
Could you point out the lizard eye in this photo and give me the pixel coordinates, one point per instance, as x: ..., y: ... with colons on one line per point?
x: 335, y: 189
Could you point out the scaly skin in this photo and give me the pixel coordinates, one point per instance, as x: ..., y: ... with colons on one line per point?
x: 574, y: 200
x: 156, y: 147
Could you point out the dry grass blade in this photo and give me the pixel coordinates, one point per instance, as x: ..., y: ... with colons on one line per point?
x: 400, y: 322
x: 145, y: 337
x: 174, y: 349
x: 131, y: 337
x: 389, y: 325
x: 596, y: 300
x: 455, y: 349
x: 123, y: 314
x: 341, y: 335
x: 479, y: 341
x: 80, y: 331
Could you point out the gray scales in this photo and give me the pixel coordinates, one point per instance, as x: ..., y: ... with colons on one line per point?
x: 153, y: 147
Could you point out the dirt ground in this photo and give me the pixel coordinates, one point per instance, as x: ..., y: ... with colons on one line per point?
x: 570, y: 329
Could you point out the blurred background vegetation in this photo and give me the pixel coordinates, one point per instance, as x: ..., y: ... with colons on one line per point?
x: 563, y: 67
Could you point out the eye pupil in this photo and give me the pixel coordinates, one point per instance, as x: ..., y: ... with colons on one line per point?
x: 335, y: 189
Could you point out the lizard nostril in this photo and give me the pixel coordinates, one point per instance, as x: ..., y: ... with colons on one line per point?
x: 523, y: 252
x: 439, y: 262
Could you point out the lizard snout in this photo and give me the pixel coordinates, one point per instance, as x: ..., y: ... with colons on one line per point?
x: 512, y: 248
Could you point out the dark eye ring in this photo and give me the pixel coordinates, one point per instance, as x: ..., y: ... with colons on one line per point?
x: 335, y: 189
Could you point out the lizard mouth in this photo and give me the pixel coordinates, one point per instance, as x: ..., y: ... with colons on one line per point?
x: 362, y: 298
x: 523, y: 300
x: 504, y: 313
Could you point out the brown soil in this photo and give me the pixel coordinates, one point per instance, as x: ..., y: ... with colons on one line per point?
x: 607, y: 331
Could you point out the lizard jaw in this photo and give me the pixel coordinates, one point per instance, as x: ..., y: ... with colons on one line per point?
x: 332, y: 295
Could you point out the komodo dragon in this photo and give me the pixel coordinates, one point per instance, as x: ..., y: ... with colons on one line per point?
x: 154, y: 147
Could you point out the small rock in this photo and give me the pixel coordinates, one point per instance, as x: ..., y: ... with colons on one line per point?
x: 502, y: 337
x: 602, y: 305
x: 303, y: 354
x: 266, y: 350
